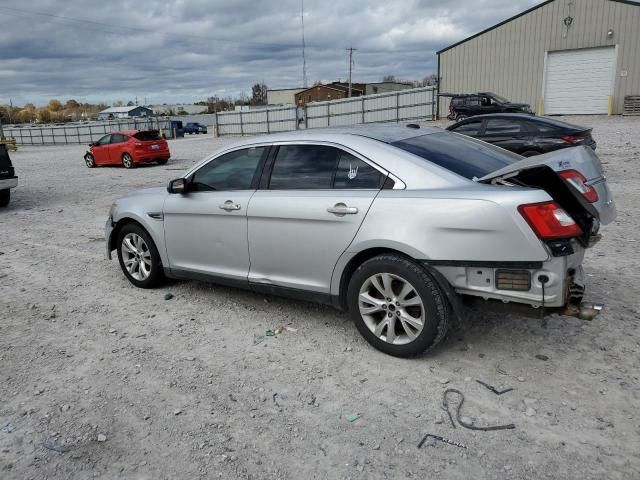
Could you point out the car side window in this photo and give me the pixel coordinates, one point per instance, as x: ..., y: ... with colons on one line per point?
x: 117, y: 138
x: 299, y: 167
x: 104, y: 140
x: 470, y: 128
x: 231, y: 171
x: 499, y: 126
x: 472, y: 101
x: 354, y: 173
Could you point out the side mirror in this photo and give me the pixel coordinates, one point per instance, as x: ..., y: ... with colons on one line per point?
x: 178, y: 185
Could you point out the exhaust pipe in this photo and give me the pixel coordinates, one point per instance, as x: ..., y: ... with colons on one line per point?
x: 589, y: 311
x: 585, y: 311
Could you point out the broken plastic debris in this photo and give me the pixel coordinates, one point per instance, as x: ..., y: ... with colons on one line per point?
x: 352, y: 417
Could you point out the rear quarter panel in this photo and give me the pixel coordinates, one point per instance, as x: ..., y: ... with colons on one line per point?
x: 478, y: 223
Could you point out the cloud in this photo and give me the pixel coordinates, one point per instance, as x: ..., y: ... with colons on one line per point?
x: 186, y: 50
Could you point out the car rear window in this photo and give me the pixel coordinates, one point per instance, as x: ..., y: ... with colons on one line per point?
x: 463, y: 155
x: 148, y: 135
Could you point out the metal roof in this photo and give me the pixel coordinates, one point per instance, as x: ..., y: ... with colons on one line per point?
x: 123, y: 109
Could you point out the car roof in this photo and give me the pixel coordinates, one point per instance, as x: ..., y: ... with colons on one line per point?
x: 525, y: 116
x: 383, y: 132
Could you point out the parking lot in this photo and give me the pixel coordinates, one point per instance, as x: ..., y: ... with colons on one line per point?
x: 103, y: 380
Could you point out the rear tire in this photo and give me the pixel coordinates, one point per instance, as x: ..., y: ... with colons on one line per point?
x: 89, y: 160
x: 162, y: 161
x: 5, y: 197
x: 397, y: 306
x: 530, y: 153
x: 127, y: 161
x: 139, y: 257
x: 461, y: 116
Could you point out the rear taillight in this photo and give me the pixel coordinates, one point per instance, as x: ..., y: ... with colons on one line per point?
x: 548, y: 220
x: 579, y: 181
x: 575, y: 138
x: 138, y: 145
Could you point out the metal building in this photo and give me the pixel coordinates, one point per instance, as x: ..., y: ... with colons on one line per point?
x: 124, y: 112
x: 561, y: 57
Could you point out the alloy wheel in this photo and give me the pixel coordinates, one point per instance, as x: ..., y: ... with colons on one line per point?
x: 127, y: 161
x: 391, y: 308
x: 136, y: 256
x: 90, y: 161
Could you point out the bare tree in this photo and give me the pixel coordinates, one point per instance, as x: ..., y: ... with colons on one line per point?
x: 259, y: 94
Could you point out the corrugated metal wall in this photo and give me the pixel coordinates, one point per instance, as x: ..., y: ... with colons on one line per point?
x: 404, y: 105
x: 83, y: 133
x: 509, y: 60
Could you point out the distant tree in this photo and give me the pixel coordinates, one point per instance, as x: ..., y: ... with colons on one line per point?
x: 317, y: 83
x: 26, y: 115
x: 54, y: 105
x: 430, y: 80
x: 71, y: 105
x: 259, y: 94
x: 130, y: 104
x: 117, y: 103
x: 44, y: 115
x: 182, y: 111
x: 242, y: 99
x: 389, y: 78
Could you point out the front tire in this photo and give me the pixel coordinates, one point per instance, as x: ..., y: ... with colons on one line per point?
x: 397, y: 306
x: 89, y: 160
x: 461, y: 116
x: 139, y: 257
x: 127, y: 161
x: 5, y: 197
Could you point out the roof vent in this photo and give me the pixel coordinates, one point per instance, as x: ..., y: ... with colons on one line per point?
x: 413, y: 125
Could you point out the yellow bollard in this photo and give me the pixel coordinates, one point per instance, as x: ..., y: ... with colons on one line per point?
x: 540, y: 112
x: 610, y: 107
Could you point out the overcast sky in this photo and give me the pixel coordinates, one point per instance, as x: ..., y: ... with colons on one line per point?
x: 187, y: 50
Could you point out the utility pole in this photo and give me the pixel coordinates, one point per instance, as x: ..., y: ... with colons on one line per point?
x: 350, y: 50
x: 304, y: 58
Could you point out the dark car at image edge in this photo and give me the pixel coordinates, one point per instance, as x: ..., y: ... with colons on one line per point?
x: 524, y: 134
x: 8, y: 179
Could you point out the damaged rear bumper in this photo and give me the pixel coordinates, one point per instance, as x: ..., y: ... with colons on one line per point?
x: 554, y: 283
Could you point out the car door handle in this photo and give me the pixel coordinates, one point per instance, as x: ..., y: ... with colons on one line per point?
x: 340, y: 210
x: 229, y: 206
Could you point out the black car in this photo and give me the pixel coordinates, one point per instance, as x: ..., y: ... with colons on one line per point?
x: 467, y: 105
x: 524, y: 134
x: 195, y: 128
x: 8, y: 179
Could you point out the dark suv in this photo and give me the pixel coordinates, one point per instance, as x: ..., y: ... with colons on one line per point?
x: 467, y: 105
x: 8, y: 179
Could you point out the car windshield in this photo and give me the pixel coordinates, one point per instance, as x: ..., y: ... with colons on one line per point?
x: 498, y: 98
x: 458, y: 153
x: 148, y: 135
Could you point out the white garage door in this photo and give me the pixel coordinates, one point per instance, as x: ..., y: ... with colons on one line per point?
x: 579, y: 81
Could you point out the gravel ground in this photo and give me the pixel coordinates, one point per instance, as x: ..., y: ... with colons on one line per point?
x: 103, y: 380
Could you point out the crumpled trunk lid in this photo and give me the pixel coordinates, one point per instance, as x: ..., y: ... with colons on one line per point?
x: 533, y: 172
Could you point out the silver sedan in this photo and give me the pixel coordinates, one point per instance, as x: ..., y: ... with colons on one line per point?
x: 399, y: 225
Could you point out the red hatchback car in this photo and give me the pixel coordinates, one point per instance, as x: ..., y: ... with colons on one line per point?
x: 128, y: 149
